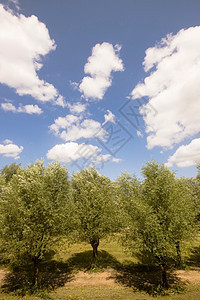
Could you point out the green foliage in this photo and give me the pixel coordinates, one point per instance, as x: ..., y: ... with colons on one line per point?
x: 9, y: 171
x: 35, y: 205
x: 183, y: 215
x: 128, y: 189
x: 161, y: 214
x: 2, y: 182
x: 195, y: 183
x: 38, y: 206
x: 94, y: 197
x: 198, y: 174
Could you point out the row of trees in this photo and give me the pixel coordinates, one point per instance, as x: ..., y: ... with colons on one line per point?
x: 39, y: 205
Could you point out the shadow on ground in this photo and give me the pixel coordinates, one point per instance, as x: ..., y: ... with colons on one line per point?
x: 55, y: 274
x: 146, y: 278
x: 194, y: 259
x: 139, y: 277
x: 52, y: 275
x: 83, y: 261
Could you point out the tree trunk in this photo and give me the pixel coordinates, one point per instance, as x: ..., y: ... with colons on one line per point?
x: 95, y: 243
x: 36, y: 262
x: 164, y: 276
x: 178, y: 252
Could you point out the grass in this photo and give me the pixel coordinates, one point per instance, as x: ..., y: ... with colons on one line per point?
x: 133, y: 281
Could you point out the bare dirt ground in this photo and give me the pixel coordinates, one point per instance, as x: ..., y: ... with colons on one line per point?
x: 189, y: 276
x: 3, y: 273
x: 107, y: 278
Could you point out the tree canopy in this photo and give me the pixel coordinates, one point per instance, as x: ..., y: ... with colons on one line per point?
x: 9, y: 171
x: 39, y: 205
x: 35, y: 205
x: 94, y: 197
x: 161, y: 213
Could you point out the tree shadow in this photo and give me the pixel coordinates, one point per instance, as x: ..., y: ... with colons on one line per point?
x: 52, y: 275
x: 193, y: 259
x: 145, y: 278
x: 84, y: 261
x: 139, y: 277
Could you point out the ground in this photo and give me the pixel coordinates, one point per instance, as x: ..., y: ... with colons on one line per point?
x: 97, y: 285
x: 119, y: 276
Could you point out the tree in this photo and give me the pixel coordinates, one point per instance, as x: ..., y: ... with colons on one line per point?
x: 196, y: 187
x: 2, y: 184
x: 183, y: 213
x: 94, y: 199
x: 9, y: 171
x: 129, y: 189
x: 198, y: 174
x: 35, y: 205
x: 160, y: 213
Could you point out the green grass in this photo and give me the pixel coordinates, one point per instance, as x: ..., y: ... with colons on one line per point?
x: 89, y: 293
x: 80, y: 254
x: 134, y: 281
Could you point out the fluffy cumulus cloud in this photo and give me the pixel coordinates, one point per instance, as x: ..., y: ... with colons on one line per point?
x: 72, y: 128
x: 77, y: 108
x: 70, y: 152
x: 8, y: 149
x: 8, y: 107
x: 173, y: 88
x: 186, y: 155
x: 103, y: 61
x: 28, y: 109
x: 24, y: 41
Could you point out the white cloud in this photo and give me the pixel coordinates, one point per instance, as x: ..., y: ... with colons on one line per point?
x: 28, y: 109
x: 186, y: 155
x: 173, y: 88
x: 7, y: 141
x: 63, y: 123
x: 76, y: 108
x: 24, y: 40
x: 10, y: 149
x: 8, y: 107
x: 104, y: 60
x: 86, y: 129
x: 70, y: 152
x: 76, y: 129
x: 94, y: 88
x: 60, y: 101
x: 116, y: 160
x: 109, y: 117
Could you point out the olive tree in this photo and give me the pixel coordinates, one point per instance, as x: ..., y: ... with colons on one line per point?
x: 129, y: 189
x: 35, y: 206
x: 94, y: 198
x: 183, y: 215
x: 196, y: 187
x: 160, y: 211
x: 9, y: 171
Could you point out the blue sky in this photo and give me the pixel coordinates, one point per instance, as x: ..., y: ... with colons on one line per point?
x: 109, y: 83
